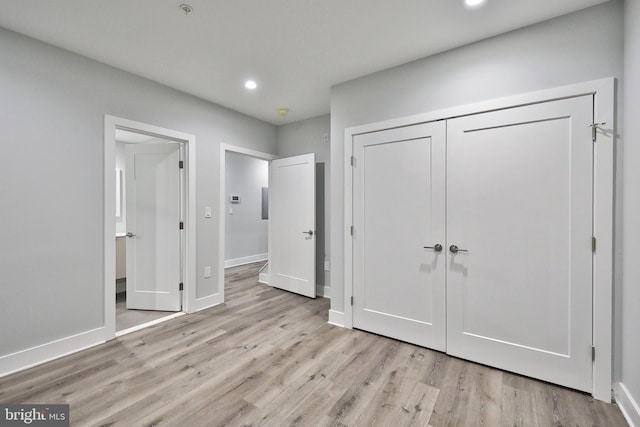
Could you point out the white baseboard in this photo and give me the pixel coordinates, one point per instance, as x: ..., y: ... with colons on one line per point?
x: 24, y: 359
x: 336, y: 318
x: 245, y: 260
x: 323, y: 291
x: 627, y: 404
x: 207, y: 302
x: 263, y: 278
x: 150, y: 323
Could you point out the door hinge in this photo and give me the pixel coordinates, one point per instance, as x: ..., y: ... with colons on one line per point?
x: 181, y: 287
x: 351, y: 230
x: 593, y: 244
x: 593, y: 353
x: 181, y: 225
x: 181, y: 164
x: 353, y: 161
x: 351, y: 300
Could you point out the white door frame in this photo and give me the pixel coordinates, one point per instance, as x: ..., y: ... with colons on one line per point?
x: 189, y: 255
x: 603, y: 91
x: 223, y: 204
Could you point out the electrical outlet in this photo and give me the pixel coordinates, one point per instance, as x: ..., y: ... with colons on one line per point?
x: 325, y: 137
x: 207, y: 272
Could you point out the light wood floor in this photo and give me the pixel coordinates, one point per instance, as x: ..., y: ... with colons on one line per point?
x: 269, y: 358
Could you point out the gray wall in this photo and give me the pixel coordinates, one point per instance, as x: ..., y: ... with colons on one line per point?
x: 52, y: 111
x: 307, y: 136
x: 579, y: 47
x: 630, y: 293
x: 245, y: 230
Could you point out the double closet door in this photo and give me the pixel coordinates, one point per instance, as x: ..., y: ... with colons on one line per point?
x: 473, y: 236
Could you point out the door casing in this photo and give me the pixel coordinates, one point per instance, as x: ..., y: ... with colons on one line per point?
x: 111, y: 123
x: 604, y: 112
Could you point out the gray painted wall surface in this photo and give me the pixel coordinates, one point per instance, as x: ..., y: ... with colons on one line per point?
x: 51, y: 245
x: 630, y: 293
x: 579, y: 47
x: 245, y: 230
x: 307, y: 136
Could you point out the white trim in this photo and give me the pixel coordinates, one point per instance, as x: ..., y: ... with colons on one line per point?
x: 208, y: 301
x: 189, y: 279
x: 264, y: 278
x: 245, y: 260
x: 223, y: 157
x: 336, y: 318
x: 604, y: 111
x: 323, y: 291
x: 603, y: 191
x: 627, y: 404
x: 34, y: 356
x: 149, y: 323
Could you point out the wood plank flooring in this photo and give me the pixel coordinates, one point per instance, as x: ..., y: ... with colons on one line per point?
x: 269, y: 358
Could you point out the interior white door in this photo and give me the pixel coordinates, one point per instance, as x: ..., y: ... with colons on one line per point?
x: 519, y: 203
x: 399, y: 234
x: 153, y: 233
x: 292, y: 220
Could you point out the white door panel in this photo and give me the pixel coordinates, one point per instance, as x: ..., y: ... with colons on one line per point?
x: 153, y: 217
x: 399, y: 209
x: 519, y: 199
x: 293, y: 223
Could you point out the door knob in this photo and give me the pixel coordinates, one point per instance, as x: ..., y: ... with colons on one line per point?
x: 310, y: 232
x: 454, y: 249
x: 437, y: 247
x: 130, y: 234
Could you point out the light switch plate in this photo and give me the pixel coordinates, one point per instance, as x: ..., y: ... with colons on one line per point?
x: 207, y: 212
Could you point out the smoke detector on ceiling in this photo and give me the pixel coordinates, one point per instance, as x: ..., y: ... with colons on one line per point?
x: 186, y: 8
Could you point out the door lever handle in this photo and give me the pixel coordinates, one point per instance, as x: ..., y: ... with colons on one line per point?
x: 437, y: 247
x: 310, y: 232
x: 454, y: 249
x: 130, y: 234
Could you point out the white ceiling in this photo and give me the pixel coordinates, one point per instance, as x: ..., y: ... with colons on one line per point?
x: 295, y: 49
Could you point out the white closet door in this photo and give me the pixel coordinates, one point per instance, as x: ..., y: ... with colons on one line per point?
x: 519, y: 203
x: 399, y: 196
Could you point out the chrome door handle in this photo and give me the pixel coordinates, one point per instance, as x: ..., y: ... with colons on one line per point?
x: 437, y: 247
x: 130, y: 234
x: 454, y: 249
x: 310, y: 232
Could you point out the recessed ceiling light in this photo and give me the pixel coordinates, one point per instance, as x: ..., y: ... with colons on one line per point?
x: 250, y: 84
x: 473, y: 3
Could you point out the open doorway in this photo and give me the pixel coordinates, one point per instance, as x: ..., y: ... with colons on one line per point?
x: 149, y: 225
x: 246, y: 200
x: 149, y: 206
x: 244, y: 232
